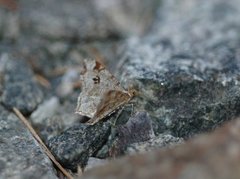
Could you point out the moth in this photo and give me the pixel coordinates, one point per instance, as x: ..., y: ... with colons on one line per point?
x: 101, y: 93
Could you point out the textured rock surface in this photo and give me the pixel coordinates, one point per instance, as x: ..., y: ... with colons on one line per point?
x: 75, y: 145
x: 187, y: 69
x: 20, y: 154
x: 137, y: 129
x: 209, y: 156
x: 20, y: 90
x: 51, y: 118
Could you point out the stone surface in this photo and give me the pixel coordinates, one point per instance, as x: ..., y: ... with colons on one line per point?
x: 51, y: 118
x: 66, y: 57
x: 208, y: 156
x: 45, y: 110
x: 75, y: 145
x: 187, y: 69
x: 20, y: 155
x: 20, y: 89
x: 137, y: 129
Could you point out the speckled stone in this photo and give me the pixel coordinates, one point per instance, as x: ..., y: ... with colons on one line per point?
x: 51, y: 118
x: 75, y: 145
x: 137, y: 129
x: 187, y: 69
x: 20, y: 155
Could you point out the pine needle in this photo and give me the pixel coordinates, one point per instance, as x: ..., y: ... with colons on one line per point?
x: 39, y: 140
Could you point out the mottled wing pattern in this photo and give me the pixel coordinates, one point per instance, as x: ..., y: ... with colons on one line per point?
x: 96, y: 81
x: 111, y: 100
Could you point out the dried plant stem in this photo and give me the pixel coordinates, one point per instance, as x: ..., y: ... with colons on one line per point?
x: 39, y: 140
x: 43, y: 81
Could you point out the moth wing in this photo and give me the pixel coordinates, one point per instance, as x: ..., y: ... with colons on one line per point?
x: 110, y: 102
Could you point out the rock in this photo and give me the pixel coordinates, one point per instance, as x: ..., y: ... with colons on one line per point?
x: 186, y: 71
x: 20, y: 155
x: 38, y: 52
x: 45, y: 110
x: 52, y: 118
x: 20, y: 90
x: 118, y: 120
x: 208, y: 156
x: 74, y: 146
x: 66, y: 57
x: 137, y: 129
x: 66, y: 86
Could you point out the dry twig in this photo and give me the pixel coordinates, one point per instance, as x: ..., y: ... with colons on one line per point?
x: 43, y: 81
x: 39, y: 140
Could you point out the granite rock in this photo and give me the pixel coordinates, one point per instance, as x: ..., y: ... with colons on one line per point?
x: 186, y: 71
x: 20, y: 155
x: 75, y: 145
x: 51, y: 118
x: 137, y: 129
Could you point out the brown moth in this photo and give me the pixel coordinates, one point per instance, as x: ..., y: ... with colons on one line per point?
x: 101, y: 92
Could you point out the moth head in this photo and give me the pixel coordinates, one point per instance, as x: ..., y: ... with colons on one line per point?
x: 89, y: 64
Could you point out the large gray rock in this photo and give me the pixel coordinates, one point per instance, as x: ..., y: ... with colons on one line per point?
x: 20, y: 155
x: 186, y: 71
